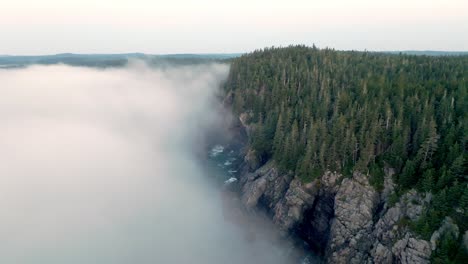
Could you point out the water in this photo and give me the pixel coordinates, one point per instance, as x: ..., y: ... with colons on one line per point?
x: 223, y: 163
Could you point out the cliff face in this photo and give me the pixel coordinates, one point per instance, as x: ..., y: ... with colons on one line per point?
x: 345, y: 219
x: 342, y: 218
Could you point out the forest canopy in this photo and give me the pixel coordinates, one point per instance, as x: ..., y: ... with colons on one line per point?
x: 314, y: 109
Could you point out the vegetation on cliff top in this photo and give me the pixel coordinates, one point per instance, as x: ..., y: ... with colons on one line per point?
x: 319, y: 109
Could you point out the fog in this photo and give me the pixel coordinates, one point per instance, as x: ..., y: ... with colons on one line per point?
x: 101, y: 166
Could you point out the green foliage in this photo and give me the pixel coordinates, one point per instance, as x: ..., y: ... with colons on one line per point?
x: 393, y: 199
x: 376, y: 176
x: 407, y: 178
x: 427, y: 184
x: 353, y: 107
x: 450, y: 250
x: 446, y: 202
x: 321, y: 109
x: 310, y: 175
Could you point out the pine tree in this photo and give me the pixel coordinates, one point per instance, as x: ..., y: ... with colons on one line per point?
x: 458, y: 168
x: 279, y: 136
x: 408, y: 177
x: 428, y: 181
x: 429, y: 146
x: 319, y: 110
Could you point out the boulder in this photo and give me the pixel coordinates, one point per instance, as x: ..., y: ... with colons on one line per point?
x: 412, y: 250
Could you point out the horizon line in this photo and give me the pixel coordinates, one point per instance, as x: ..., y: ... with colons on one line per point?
x: 219, y: 53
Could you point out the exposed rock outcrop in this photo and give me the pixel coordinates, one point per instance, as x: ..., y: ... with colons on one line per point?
x: 315, y: 227
x: 345, y: 219
x: 389, y: 187
x: 284, y: 197
x: 299, y: 197
x: 351, y: 228
x: 393, y: 242
x: 251, y: 160
x: 411, y: 250
x: 265, y: 184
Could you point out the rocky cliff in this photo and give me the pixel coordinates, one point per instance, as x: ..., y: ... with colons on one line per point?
x: 344, y: 219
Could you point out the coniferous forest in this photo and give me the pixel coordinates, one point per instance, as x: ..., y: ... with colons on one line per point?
x: 313, y: 110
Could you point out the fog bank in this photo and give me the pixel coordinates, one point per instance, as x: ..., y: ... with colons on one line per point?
x: 98, y: 166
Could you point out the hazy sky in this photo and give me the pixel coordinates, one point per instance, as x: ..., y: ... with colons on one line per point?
x: 204, y: 26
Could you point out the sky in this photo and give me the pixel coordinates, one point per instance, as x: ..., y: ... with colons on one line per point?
x: 30, y: 27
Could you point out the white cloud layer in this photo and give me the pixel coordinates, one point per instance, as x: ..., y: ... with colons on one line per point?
x: 97, y: 166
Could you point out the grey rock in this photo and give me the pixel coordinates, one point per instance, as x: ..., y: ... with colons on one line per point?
x: 412, y: 250
x: 339, y: 215
x: 389, y: 185
x: 243, y: 118
x: 251, y: 160
x: 381, y: 254
x: 329, y: 180
x: 389, y: 230
x: 316, y: 221
x: 253, y: 191
x: 386, y: 229
x: 448, y: 226
x: 277, y: 187
x: 351, y: 229
x: 413, y: 204
x: 298, y: 198
x: 266, y: 183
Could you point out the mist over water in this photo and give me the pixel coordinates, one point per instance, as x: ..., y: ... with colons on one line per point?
x: 99, y: 166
